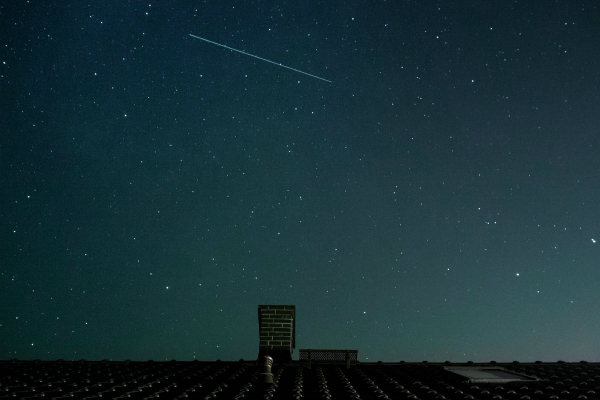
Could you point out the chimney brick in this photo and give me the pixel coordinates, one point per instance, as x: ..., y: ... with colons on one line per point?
x: 277, y: 328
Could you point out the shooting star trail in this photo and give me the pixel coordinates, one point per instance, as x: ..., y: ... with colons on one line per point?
x: 260, y: 58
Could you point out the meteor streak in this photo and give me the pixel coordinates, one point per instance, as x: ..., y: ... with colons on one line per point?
x: 260, y: 58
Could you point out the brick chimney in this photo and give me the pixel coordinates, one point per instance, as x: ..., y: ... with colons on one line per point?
x: 277, y: 328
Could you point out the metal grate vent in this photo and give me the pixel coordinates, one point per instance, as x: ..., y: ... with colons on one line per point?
x: 328, y: 355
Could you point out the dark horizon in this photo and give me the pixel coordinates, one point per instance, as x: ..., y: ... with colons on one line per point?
x: 439, y: 200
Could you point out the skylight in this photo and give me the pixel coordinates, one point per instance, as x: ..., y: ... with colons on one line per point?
x: 489, y: 374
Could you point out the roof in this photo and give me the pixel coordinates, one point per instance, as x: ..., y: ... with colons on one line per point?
x: 235, y: 380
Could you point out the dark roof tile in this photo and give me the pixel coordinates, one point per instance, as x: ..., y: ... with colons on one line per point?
x: 236, y: 380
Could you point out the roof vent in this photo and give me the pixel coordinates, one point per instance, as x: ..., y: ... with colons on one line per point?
x: 277, y: 327
x: 329, y: 356
x: 266, y: 375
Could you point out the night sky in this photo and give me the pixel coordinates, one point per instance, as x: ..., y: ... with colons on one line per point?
x: 438, y: 200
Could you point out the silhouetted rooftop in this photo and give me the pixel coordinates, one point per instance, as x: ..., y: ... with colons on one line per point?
x: 294, y: 380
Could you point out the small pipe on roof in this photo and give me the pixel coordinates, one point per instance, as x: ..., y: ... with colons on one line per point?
x: 266, y: 375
